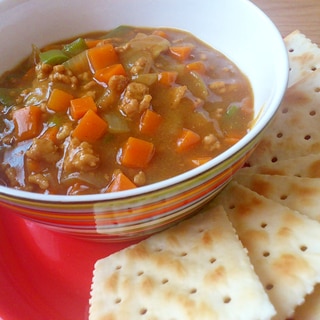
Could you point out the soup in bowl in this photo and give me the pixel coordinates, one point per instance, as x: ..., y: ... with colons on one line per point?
x: 120, y: 133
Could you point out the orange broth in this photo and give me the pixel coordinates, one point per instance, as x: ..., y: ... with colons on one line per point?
x: 111, y: 111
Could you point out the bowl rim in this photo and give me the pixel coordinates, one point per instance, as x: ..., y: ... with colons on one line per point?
x: 278, y: 94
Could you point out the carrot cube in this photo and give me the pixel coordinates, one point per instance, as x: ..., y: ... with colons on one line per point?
x: 27, y: 122
x: 102, y: 56
x: 149, y: 122
x: 104, y: 75
x: 59, y: 100
x: 120, y: 182
x: 79, y: 106
x: 187, y: 140
x: 91, y: 127
x: 137, y: 153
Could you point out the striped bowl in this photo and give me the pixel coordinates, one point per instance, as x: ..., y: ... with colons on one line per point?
x: 235, y: 27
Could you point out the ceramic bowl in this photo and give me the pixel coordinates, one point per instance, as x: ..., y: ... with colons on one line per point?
x: 235, y: 27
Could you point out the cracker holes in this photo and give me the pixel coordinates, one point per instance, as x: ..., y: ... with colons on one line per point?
x: 283, y: 197
x: 266, y: 254
x: 274, y: 159
x: 117, y: 268
x: 232, y: 206
x: 307, y: 137
x: 263, y: 225
x: 313, y: 68
x: 143, y: 311
x: 164, y: 281
x: 285, y: 110
x: 140, y: 273
x: 279, y: 135
x: 193, y: 291
x: 269, y: 286
x: 290, y: 50
x: 312, y: 113
x: 183, y: 254
x: 212, y: 260
x: 317, y: 89
x: 226, y: 300
x: 117, y: 300
x: 303, y: 248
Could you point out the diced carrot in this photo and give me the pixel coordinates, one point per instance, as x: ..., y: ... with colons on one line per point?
x: 187, y: 140
x: 160, y: 33
x: 201, y: 160
x: 51, y: 134
x: 104, y: 75
x: 27, y: 122
x: 91, y: 127
x: 197, y: 66
x: 79, y: 106
x: 120, y: 182
x: 149, y: 122
x: 181, y: 53
x: 137, y: 153
x: 92, y: 42
x: 101, y: 57
x: 167, y: 77
x: 59, y: 100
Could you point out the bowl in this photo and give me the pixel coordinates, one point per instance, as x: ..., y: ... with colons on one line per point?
x: 237, y: 28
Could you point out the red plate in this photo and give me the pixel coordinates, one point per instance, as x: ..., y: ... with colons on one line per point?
x: 44, y: 274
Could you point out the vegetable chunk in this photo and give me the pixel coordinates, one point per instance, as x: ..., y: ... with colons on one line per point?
x: 28, y: 122
x: 90, y: 128
x: 137, y: 153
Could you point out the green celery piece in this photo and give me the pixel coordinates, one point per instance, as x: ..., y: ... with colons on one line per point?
x: 117, y: 32
x: 116, y: 123
x: 53, y: 57
x: 232, y: 110
x: 146, y: 78
x: 78, y: 63
x: 75, y: 47
x: 193, y: 80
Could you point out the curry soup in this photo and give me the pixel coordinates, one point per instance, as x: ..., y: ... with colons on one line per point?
x: 112, y: 111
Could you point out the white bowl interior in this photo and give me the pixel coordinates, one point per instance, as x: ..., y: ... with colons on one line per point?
x: 235, y: 27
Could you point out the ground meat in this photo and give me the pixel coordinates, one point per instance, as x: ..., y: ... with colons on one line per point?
x: 85, y: 76
x: 43, y: 150
x: 56, y: 73
x: 61, y: 74
x: 39, y: 179
x: 89, y: 85
x: 118, y: 83
x: 11, y: 175
x: 218, y: 113
x: 136, y: 99
x: 177, y: 94
x: 80, y: 157
x: 140, y: 179
x: 43, y: 70
x: 211, y: 142
x: 64, y: 131
x: 140, y: 66
x: 221, y: 87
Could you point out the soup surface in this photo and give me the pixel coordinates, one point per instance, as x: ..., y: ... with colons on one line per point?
x: 117, y: 110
